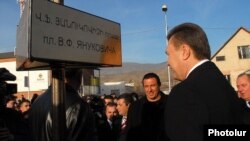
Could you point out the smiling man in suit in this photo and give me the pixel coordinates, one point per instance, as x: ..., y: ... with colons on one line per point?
x: 204, y: 96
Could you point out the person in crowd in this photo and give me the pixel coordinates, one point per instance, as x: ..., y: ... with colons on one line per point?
x: 204, y: 96
x: 108, y: 99
x: 98, y: 107
x: 12, y: 125
x: 87, y: 98
x: 123, y: 102
x: 145, y: 116
x: 10, y: 101
x: 107, y: 129
x: 243, y: 86
x: 80, y: 124
x: 113, y: 95
x: 35, y: 95
x: 23, y: 107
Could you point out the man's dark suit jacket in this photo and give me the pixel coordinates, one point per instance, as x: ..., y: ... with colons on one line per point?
x: 246, y: 112
x: 205, y: 97
x: 105, y: 132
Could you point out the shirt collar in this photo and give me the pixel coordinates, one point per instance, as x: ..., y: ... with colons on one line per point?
x: 196, y: 65
x: 248, y: 104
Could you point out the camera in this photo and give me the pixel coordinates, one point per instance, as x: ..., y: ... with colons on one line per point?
x: 7, y: 88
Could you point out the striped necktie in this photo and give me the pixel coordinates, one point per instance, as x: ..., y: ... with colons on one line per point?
x: 124, y: 122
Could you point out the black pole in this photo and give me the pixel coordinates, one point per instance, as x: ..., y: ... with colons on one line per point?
x: 58, y: 113
x: 58, y: 101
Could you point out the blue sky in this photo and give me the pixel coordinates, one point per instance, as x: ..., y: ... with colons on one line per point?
x: 142, y: 22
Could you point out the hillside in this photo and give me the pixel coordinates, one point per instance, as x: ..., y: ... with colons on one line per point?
x: 133, y: 72
x: 133, y: 67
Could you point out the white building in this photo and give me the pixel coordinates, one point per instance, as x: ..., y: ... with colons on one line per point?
x: 29, y: 82
x: 37, y: 81
x: 117, y: 87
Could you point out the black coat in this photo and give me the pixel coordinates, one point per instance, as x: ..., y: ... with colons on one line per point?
x: 16, y: 125
x: 106, y: 132
x: 246, y: 112
x: 145, y: 120
x: 204, y: 98
x: 79, y: 118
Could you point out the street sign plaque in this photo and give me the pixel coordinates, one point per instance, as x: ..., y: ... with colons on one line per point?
x: 49, y: 33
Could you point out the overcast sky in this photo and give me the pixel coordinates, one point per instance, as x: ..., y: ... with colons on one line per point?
x: 142, y: 22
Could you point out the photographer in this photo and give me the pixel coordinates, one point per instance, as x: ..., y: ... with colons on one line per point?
x: 12, y: 127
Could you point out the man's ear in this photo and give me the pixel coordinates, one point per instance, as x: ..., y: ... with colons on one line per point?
x: 186, y: 51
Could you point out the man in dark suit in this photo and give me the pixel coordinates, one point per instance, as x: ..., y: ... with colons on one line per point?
x: 123, y: 103
x: 108, y: 128
x: 243, y: 86
x: 204, y: 96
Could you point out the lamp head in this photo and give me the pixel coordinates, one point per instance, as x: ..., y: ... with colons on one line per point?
x: 164, y: 8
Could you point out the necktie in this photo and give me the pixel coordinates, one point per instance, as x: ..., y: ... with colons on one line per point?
x: 110, y: 124
x: 124, y: 122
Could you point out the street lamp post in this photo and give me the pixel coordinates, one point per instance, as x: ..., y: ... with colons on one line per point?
x: 164, y: 9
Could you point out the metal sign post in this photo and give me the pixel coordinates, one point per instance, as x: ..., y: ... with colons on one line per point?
x: 58, y: 100
x: 83, y: 40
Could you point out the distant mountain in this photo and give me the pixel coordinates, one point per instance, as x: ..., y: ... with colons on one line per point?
x: 128, y: 67
x: 134, y: 72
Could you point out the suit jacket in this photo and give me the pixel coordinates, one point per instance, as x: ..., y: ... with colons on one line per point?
x: 205, y: 97
x: 106, y: 132
x: 121, y: 132
x: 246, y: 112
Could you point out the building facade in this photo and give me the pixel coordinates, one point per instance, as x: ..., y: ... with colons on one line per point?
x: 233, y: 57
x: 117, y: 88
x: 28, y: 82
x: 37, y: 81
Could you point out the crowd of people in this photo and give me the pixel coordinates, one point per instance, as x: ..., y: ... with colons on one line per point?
x: 13, y: 112
x: 203, y: 97
x: 21, y: 105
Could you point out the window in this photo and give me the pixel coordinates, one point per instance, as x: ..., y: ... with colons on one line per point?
x: 244, y: 51
x: 26, y: 81
x: 220, y: 58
